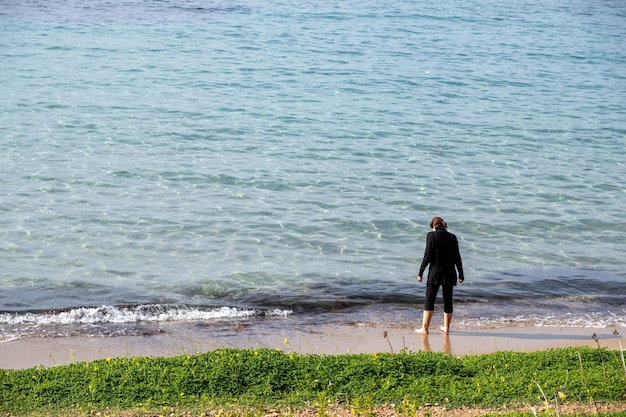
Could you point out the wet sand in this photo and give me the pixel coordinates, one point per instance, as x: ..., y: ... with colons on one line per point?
x: 190, y: 338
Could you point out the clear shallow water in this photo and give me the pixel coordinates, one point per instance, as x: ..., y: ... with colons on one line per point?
x: 203, y: 160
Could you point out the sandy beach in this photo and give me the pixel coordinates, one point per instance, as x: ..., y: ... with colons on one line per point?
x: 191, y: 338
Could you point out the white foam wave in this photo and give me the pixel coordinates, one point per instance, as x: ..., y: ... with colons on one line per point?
x: 134, y: 314
x: 590, y: 320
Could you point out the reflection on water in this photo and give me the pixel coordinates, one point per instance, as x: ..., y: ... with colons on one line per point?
x: 445, y: 347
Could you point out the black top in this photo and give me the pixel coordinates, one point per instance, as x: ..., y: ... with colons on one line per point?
x: 442, y: 254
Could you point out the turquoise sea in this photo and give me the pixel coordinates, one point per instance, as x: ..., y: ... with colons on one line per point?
x: 206, y: 161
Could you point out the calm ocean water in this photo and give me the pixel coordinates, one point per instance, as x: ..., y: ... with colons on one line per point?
x: 197, y: 160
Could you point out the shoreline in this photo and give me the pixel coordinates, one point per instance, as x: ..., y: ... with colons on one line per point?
x: 191, y: 338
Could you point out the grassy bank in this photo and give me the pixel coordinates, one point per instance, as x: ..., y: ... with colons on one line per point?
x: 231, y: 379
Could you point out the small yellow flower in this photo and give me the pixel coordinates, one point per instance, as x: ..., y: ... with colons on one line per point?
x: 286, y: 341
x: 108, y: 359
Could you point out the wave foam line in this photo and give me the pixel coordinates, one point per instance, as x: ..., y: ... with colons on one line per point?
x: 134, y: 314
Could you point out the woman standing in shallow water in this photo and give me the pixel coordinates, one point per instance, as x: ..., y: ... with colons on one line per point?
x: 442, y: 254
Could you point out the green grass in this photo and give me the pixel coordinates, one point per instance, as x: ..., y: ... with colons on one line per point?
x: 249, y: 379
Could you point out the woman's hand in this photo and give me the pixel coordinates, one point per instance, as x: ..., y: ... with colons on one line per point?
x: 419, y: 279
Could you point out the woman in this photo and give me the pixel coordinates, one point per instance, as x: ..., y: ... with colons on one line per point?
x: 442, y: 254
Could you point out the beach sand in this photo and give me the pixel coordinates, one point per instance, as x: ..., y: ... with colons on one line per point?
x: 191, y: 338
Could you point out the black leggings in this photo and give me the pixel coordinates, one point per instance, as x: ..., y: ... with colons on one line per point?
x: 431, y: 294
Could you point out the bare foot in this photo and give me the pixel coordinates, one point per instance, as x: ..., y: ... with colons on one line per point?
x: 421, y: 331
x: 444, y: 330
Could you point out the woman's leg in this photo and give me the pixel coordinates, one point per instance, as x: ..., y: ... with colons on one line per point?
x: 431, y: 295
x: 426, y: 317
x: 429, y: 308
x: 447, y: 298
x: 447, y: 308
